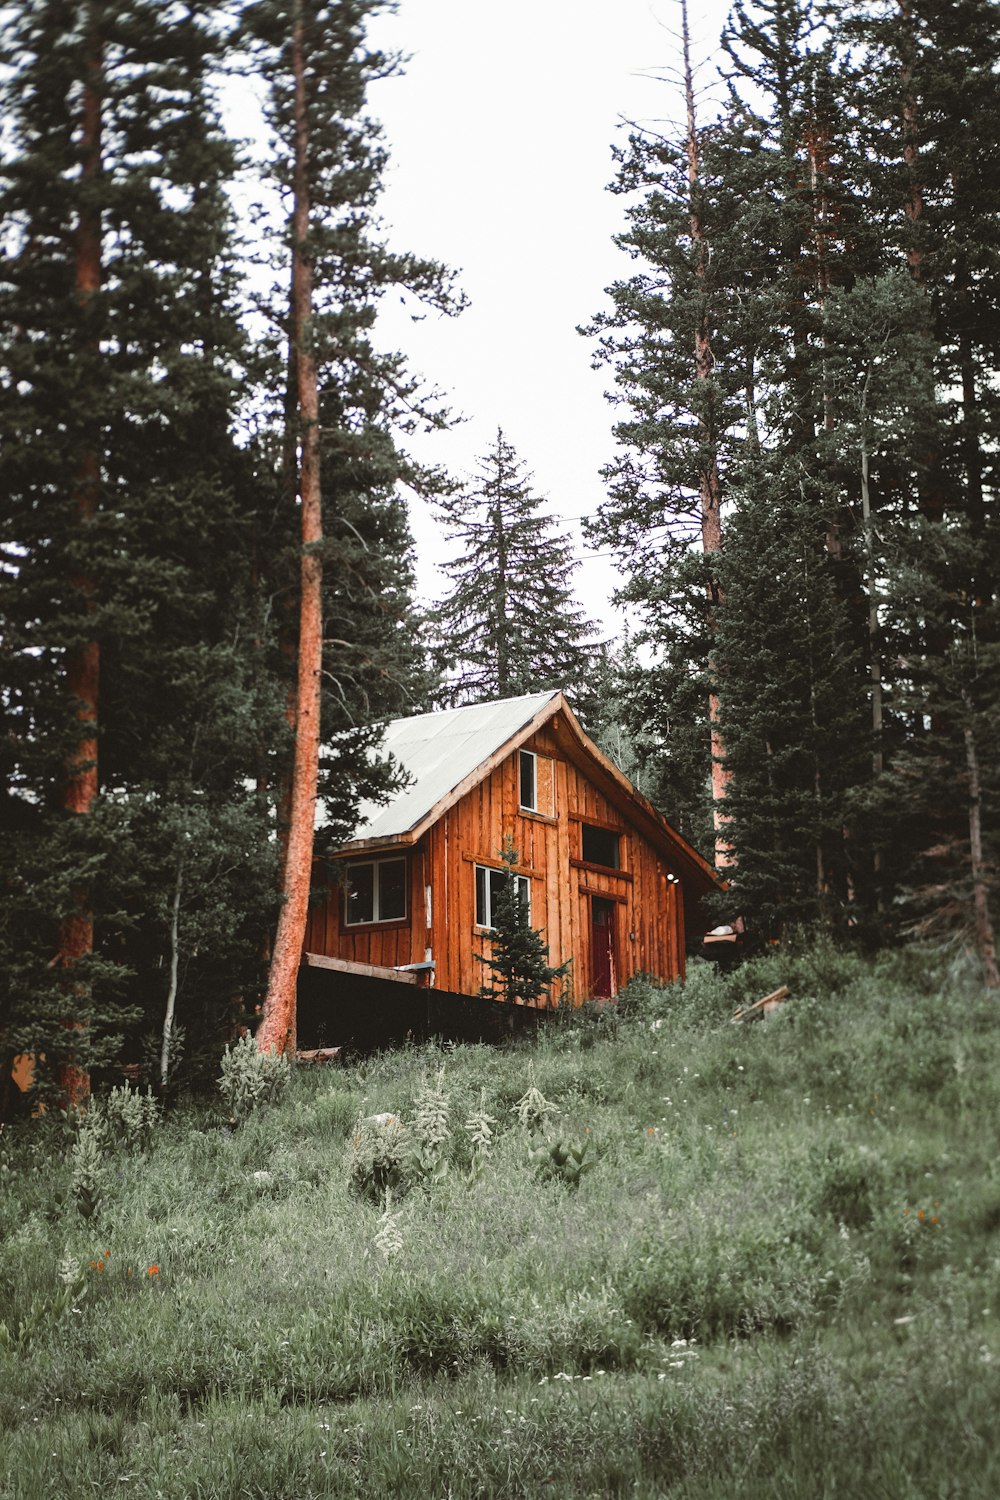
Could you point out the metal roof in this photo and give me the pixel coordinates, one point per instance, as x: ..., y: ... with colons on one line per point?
x: 439, y: 750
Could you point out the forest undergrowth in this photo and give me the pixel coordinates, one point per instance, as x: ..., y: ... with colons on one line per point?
x: 649, y: 1253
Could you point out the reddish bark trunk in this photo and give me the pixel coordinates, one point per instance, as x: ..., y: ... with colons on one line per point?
x: 83, y: 662
x: 288, y: 625
x: 277, y: 1029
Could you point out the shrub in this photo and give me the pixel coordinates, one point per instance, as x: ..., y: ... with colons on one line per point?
x: 563, y: 1161
x: 846, y: 1183
x: 251, y: 1079
x: 86, y: 1158
x: 377, y: 1157
x: 131, y: 1118
x: 480, y: 1125
x: 533, y: 1109
x: 431, y: 1129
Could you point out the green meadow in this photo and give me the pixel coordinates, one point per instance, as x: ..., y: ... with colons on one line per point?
x: 649, y: 1253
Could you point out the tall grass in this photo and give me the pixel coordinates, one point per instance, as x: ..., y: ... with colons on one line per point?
x: 781, y: 1275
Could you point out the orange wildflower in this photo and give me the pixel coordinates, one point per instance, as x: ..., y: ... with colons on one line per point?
x: 153, y: 1271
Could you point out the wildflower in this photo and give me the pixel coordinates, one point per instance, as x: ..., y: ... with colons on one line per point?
x: 153, y: 1271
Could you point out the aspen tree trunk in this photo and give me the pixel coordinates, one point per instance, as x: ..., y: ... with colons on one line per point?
x: 871, y: 569
x: 709, y: 485
x: 930, y: 484
x: 83, y: 662
x: 986, y: 945
x: 277, y: 1029
x: 166, y: 1045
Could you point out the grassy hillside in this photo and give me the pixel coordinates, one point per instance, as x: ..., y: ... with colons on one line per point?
x: 758, y: 1261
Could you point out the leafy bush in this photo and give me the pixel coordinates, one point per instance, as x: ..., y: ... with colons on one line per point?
x: 251, y: 1079
x: 533, y: 1110
x: 378, y: 1158
x: 431, y: 1130
x: 87, y: 1157
x: 846, y: 1183
x: 563, y: 1161
x: 131, y: 1118
x: 47, y: 1310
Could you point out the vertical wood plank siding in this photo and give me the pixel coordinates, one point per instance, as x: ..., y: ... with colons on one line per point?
x: 649, y: 914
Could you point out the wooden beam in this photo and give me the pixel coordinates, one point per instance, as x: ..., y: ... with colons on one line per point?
x: 764, y: 1007
x: 363, y: 971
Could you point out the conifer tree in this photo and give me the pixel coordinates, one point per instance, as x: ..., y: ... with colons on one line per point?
x: 510, y: 624
x: 120, y: 351
x: 337, y: 395
x: 856, y: 460
x: 520, y: 972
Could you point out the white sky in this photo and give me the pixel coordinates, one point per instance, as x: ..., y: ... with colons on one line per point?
x: 500, y: 135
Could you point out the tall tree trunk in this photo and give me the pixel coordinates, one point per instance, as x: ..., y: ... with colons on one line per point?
x: 709, y: 484
x: 287, y: 623
x: 986, y: 945
x: 168, y: 1014
x: 277, y: 1029
x: 83, y: 662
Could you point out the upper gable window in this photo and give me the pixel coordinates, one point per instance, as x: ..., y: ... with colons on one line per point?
x: 537, y: 783
x: 601, y: 846
x: 376, y: 892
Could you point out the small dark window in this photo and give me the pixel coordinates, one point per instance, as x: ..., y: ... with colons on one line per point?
x: 376, y: 892
x: 601, y: 846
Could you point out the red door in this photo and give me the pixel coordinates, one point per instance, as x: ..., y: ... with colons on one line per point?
x: 603, y: 957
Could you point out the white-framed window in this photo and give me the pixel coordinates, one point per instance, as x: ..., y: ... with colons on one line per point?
x: 489, y: 884
x: 376, y: 891
x: 536, y: 783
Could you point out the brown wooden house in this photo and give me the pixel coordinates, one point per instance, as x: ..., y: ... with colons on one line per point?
x: 612, y: 886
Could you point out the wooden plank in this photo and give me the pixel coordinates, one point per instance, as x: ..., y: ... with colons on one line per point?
x: 763, y: 1007
x: 365, y: 971
x: 595, y: 890
x: 609, y: 870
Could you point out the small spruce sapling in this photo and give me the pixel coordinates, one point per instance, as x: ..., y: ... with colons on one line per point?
x: 520, y: 972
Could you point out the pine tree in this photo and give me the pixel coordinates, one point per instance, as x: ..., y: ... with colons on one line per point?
x: 120, y: 352
x: 929, y: 95
x: 519, y: 959
x: 510, y: 624
x: 338, y: 397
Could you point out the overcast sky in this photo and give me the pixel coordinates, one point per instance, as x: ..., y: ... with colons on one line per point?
x: 500, y: 134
